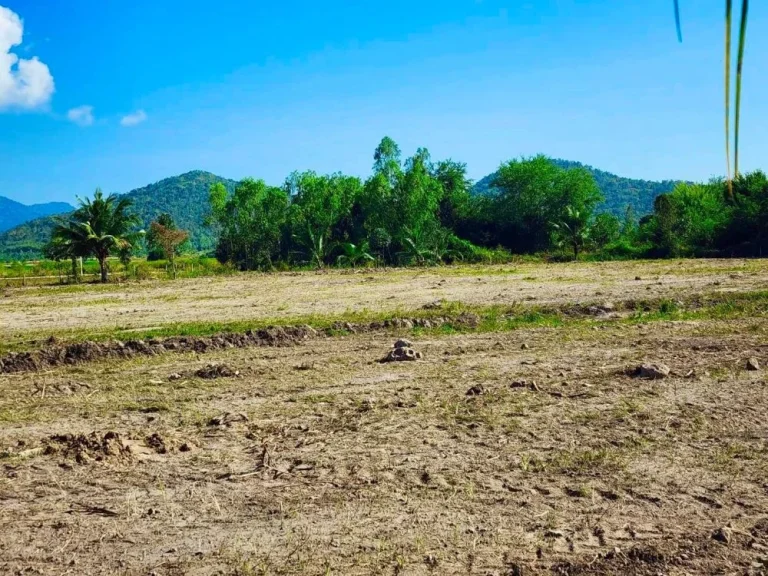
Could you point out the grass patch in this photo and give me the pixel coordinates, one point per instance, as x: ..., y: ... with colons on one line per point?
x: 586, y: 462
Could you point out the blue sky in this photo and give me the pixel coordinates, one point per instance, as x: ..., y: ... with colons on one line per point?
x: 145, y: 89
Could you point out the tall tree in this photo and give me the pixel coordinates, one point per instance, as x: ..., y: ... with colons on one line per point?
x: 386, y: 160
x: 747, y: 232
x: 606, y: 228
x: 319, y: 212
x: 534, y: 192
x: 456, y: 197
x: 252, y: 223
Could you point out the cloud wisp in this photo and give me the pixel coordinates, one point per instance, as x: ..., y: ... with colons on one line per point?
x: 133, y: 119
x: 82, y: 115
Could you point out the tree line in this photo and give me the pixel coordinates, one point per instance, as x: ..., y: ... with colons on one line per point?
x: 418, y: 211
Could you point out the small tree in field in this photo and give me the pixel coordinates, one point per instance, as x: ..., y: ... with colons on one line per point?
x: 573, y: 230
x: 99, y: 227
x: 168, y: 240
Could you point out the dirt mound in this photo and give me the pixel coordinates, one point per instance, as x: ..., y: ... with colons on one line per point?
x: 651, y: 371
x: 157, y: 443
x: 77, y: 353
x: 56, y: 353
x: 84, y: 449
x: 402, y: 352
x: 214, y: 371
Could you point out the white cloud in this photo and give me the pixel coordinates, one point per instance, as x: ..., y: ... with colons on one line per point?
x: 133, y: 119
x: 82, y: 115
x: 24, y: 83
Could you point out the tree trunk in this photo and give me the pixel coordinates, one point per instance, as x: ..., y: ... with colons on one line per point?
x: 575, y: 251
x: 103, y: 267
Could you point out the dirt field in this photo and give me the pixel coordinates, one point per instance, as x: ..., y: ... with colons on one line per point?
x: 289, y: 295
x: 517, y: 451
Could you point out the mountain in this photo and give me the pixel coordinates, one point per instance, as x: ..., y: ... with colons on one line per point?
x: 619, y: 192
x: 184, y: 197
x: 13, y: 213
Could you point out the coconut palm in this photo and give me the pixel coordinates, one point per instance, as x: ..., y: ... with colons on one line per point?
x: 99, y: 227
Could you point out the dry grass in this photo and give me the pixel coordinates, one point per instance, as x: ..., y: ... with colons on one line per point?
x: 348, y: 466
x: 26, y: 312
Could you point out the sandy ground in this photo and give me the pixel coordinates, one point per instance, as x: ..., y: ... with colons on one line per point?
x: 289, y: 295
x: 318, y: 459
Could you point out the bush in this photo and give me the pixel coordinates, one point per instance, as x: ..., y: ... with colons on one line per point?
x: 623, y: 249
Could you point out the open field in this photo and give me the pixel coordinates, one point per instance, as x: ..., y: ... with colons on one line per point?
x: 521, y: 443
x: 124, y: 309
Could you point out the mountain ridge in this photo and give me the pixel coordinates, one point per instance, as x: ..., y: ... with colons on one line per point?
x: 184, y: 197
x: 13, y: 213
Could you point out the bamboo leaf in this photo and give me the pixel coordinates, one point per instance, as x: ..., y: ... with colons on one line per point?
x: 728, y: 20
x: 739, y: 65
x: 677, y: 21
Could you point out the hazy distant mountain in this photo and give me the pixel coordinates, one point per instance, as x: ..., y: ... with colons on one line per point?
x: 184, y: 197
x: 13, y: 213
x: 619, y: 192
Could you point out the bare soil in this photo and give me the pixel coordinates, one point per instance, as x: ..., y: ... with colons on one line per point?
x: 289, y: 295
x: 534, y: 451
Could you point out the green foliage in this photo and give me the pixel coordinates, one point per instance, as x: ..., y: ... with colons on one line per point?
x: 532, y: 194
x: 251, y: 222
x: 746, y: 233
x: 456, y: 196
x: 404, y: 208
x: 688, y: 221
x: 417, y: 212
x: 618, y: 192
x: 98, y: 228
x: 320, y: 213
x: 605, y: 229
x: 573, y: 229
x: 355, y: 255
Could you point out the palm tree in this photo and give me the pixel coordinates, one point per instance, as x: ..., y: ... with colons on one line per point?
x: 573, y: 229
x: 316, y: 245
x: 355, y: 254
x: 98, y: 228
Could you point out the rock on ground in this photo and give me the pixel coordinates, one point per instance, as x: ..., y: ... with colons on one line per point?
x: 652, y: 371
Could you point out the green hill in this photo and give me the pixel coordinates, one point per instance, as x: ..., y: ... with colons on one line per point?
x: 13, y: 213
x: 618, y: 192
x: 184, y: 197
